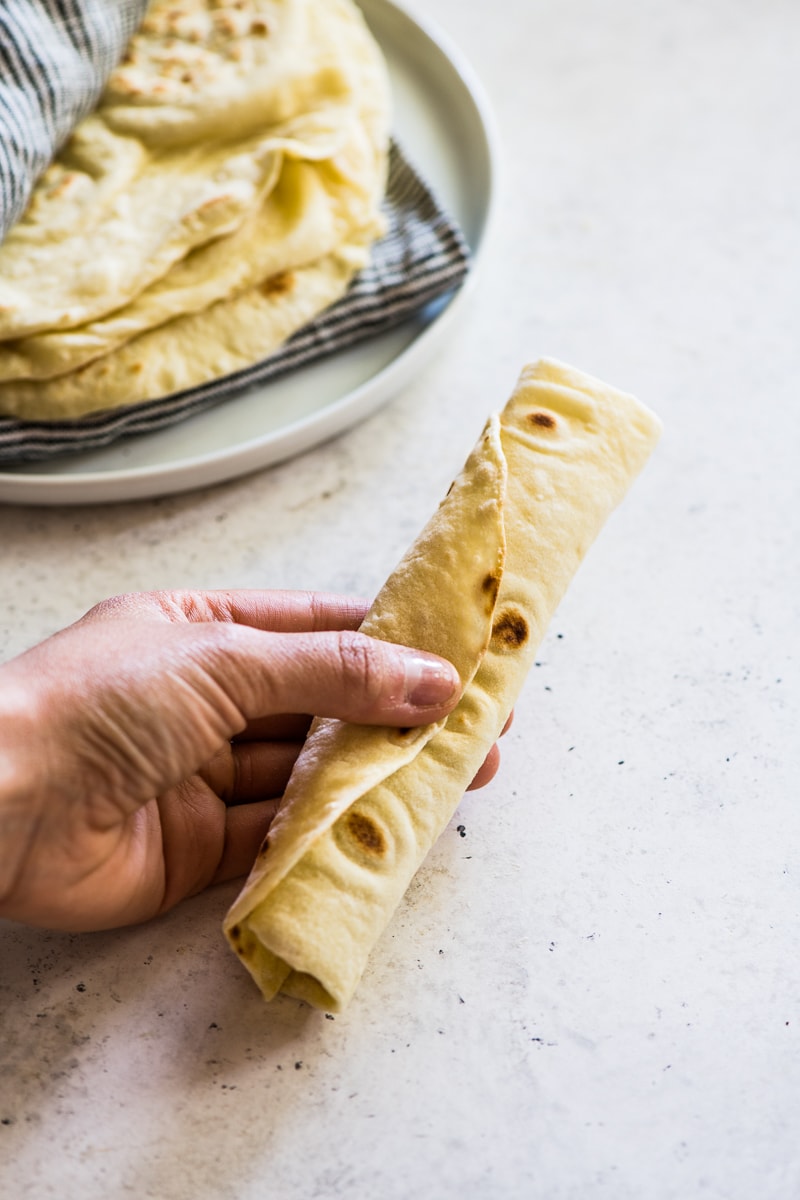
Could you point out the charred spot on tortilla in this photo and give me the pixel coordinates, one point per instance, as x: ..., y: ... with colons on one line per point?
x: 490, y: 587
x: 510, y: 629
x: 542, y: 420
x: 401, y: 736
x: 366, y: 833
x: 277, y: 285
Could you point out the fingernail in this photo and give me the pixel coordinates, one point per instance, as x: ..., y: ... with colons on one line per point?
x: 429, y: 681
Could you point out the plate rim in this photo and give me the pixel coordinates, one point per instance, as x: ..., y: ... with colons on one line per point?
x: 212, y: 467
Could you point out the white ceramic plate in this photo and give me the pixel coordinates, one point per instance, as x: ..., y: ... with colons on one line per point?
x: 443, y: 123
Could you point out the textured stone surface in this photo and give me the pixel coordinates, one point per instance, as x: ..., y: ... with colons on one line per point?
x: 594, y: 992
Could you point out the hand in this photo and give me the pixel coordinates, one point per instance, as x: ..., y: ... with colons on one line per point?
x: 144, y: 749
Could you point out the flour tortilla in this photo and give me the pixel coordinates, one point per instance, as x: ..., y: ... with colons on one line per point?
x: 194, y: 349
x: 179, y: 154
x: 197, y: 69
x: 108, y: 218
x: 310, y: 207
x: 364, y: 806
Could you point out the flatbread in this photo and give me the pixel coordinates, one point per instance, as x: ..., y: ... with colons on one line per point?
x: 194, y: 349
x: 149, y: 264
x: 364, y: 806
x: 185, y: 145
x: 309, y: 208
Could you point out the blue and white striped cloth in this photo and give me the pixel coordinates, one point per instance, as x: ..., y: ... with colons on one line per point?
x: 54, y: 58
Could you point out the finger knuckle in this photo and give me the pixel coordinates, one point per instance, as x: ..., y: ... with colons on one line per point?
x: 316, y: 609
x: 112, y: 606
x: 363, y: 662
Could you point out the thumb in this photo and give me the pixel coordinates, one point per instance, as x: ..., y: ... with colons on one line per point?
x: 333, y: 674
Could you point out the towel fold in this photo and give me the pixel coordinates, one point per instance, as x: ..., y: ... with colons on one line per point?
x: 55, y: 57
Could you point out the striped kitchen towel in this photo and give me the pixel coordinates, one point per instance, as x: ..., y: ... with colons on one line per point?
x: 55, y: 57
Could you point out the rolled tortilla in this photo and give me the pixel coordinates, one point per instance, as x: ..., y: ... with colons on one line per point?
x: 364, y: 805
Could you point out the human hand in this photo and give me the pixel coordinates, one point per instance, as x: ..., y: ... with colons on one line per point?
x: 143, y: 750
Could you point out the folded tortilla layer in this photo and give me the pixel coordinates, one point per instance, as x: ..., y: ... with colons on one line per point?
x: 479, y: 586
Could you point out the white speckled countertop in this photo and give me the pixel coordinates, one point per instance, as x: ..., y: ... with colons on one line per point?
x: 596, y: 992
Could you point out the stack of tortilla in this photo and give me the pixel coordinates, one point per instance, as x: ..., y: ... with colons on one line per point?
x: 225, y: 190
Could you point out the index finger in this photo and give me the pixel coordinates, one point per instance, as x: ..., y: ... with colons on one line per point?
x: 276, y: 611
